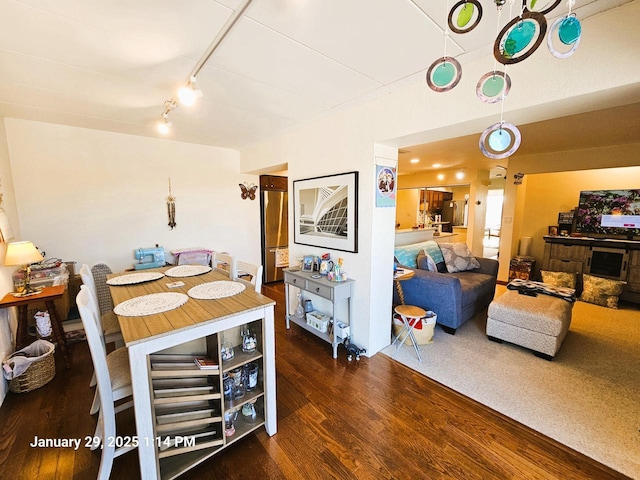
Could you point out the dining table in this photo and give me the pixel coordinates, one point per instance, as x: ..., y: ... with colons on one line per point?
x: 197, y: 318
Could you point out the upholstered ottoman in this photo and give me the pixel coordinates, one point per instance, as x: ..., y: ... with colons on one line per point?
x: 538, y: 323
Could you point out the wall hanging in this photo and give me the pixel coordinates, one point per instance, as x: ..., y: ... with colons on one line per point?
x: 171, y: 208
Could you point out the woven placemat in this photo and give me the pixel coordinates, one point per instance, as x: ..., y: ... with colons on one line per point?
x: 133, y: 278
x: 215, y: 290
x: 151, y: 304
x: 187, y: 270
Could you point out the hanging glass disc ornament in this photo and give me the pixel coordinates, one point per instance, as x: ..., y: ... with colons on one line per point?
x: 520, y: 38
x: 540, y: 6
x: 444, y: 74
x: 568, y: 31
x: 500, y: 140
x: 493, y: 87
x: 466, y: 12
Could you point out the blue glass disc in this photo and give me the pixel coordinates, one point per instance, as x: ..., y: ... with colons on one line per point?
x: 519, y: 37
x: 443, y: 74
x: 569, y: 30
x: 499, y: 140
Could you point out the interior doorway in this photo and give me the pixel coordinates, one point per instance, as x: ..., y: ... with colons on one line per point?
x: 493, y: 224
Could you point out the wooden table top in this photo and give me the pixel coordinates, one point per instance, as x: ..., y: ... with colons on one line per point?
x: 403, y: 274
x: 141, y: 328
x: 47, y: 293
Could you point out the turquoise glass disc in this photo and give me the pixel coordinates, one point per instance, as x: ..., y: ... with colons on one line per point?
x: 465, y: 14
x: 443, y: 74
x: 493, y: 86
x: 499, y: 140
x: 519, y: 37
x: 569, y: 30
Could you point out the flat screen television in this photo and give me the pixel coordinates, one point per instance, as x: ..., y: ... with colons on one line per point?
x: 612, y: 213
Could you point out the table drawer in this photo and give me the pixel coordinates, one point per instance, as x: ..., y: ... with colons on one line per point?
x: 294, y: 280
x: 319, y: 289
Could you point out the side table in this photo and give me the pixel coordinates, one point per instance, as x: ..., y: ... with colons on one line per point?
x: 47, y: 295
x: 408, y: 313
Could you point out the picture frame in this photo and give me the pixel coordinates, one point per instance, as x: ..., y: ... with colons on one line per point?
x: 325, y: 212
x: 553, y: 230
x: 307, y: 263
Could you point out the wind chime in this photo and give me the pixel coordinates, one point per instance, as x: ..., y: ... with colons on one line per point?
x: 171, y: 208
x: 517, y: 40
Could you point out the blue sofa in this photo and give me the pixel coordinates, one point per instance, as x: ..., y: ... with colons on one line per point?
x: 454, y: 297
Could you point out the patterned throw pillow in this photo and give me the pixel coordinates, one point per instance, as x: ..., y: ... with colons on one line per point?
x: 458, y: 257
x: 601, y: 291
x: 432, y: 250
x: 559, y: 279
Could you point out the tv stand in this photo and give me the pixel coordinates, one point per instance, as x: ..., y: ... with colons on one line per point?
x: 576, y: 255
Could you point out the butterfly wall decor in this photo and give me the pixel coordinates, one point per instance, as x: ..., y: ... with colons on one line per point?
x: 248, y: 191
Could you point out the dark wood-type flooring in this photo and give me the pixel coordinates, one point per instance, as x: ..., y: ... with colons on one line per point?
x: 370, y: 419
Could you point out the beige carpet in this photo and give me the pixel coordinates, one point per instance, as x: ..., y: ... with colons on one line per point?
x: 588, y: 397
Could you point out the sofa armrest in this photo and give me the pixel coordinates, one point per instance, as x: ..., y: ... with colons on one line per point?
x: 435, y: 291
x: 488, y: 266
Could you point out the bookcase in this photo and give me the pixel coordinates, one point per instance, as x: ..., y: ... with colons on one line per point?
x: 190, y: 404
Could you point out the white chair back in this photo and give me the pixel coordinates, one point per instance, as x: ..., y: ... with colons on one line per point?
x: 105, y: 391
x: 217, y: 259
x: 254, y: 270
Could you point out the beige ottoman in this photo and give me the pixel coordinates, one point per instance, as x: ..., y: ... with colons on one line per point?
x: 538, y: 323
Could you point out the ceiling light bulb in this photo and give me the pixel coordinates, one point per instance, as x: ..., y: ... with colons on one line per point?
x: 188, y: 94
x: 165, y: 125
x: 441, y: 176
x: 436, y: 165
x: 460, y: 175
x: 414, y: 160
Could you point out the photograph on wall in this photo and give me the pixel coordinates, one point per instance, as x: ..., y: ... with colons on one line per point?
x: 385, y: 186
x: 325, y: 211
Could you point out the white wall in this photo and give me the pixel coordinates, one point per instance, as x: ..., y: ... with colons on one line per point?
x: 8, y: 204
x: 92, y: 196
x: 543, y: 87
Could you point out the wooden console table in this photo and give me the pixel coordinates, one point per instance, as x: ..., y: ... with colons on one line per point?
x: 47, y: 295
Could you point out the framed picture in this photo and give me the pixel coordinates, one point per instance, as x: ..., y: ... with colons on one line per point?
x: 385, y: 186
x: 307, y: 263
x: 325, y: 212
x: 553, y: 230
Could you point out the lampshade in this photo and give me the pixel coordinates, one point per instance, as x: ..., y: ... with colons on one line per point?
x: 22, y: 253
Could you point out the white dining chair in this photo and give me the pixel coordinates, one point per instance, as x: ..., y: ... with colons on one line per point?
x: 108, y: 320
x: 220, y: 262
x: 113, y: 380
x: 118, y: 357
x: 244, y: 268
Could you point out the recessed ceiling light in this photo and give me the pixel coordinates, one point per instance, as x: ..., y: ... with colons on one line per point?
x: 414, y: 160
x: 460, y: 175
x: 436, y: 165
x: 441, y: 176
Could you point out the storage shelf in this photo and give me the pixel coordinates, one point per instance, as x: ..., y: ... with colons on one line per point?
x: 202, y: 439
x: 240, y: 358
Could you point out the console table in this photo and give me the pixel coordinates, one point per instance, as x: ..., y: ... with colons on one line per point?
x: 47, y: 295
x: 333, y: 291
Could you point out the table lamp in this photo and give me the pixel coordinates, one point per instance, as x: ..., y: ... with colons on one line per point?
x: 23, y: 253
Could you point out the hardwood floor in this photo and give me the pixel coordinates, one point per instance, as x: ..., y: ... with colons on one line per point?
x: 370, y: 419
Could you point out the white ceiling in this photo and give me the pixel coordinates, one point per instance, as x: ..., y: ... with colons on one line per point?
x: 111, y: 65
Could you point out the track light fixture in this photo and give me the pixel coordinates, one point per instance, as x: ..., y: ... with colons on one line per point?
x: 164, y: 125
x: 189, y: 93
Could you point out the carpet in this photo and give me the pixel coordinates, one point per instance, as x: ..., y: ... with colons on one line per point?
x: 587, y: 398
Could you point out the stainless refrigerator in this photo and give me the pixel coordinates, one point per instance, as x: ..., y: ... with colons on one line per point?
x: 275, y: 228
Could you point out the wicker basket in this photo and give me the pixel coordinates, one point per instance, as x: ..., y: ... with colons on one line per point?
x: 38, y: 374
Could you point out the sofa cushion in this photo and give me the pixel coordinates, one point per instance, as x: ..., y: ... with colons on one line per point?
x: 601, y: 291
x: 475, y: 286
x: 458, y: 257
x: 559, y: 279
x: 425, y: 262
x: 432, y: 250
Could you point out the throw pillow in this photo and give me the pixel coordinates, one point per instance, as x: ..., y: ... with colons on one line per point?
x: 601, y: 291
x: 432, y: 249
x: 425, y: 262
x: 458, y: 257
x: 559, y: 279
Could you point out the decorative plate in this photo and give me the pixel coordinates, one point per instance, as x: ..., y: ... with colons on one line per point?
x: 133, y: 278
x: 187, y: 270
x: 150, y: 304
x: 214, y: 290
